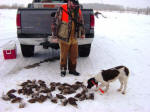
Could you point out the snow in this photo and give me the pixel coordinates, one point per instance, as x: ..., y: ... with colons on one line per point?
x: 120, y: 39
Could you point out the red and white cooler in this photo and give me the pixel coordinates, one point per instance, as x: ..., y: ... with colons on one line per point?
x: 9, y: 50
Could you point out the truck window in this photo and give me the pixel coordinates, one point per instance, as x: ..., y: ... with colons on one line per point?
x: 54, y: 1
x: 36, y: 1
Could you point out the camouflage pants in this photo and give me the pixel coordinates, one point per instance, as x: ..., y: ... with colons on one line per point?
x: 68, y: 54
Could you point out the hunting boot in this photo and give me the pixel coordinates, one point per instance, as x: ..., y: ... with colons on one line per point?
x: 74, y: 72
x: 72, y: 67
x: 63, y: 72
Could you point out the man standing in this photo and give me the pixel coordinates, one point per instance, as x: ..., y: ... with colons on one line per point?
x: 70, y: 17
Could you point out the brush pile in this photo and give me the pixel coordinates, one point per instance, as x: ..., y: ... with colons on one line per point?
x: 38, y: 91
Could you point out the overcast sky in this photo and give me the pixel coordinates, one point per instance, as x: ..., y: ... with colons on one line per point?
x: 126, y: 3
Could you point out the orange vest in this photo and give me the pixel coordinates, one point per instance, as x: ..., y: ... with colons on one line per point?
x: 65, y: 16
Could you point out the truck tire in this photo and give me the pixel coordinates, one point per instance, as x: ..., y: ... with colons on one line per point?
x: 84, y: 50
x: 27, y: 50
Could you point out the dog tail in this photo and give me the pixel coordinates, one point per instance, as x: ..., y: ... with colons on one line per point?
x: 123, y: 68
x: 126, y: 71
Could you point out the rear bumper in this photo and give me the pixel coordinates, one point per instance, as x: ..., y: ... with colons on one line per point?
x: 38, y: 41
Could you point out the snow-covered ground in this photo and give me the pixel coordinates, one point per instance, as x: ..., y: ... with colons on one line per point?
x: 120, y: 39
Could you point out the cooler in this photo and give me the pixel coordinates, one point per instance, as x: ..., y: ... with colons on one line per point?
x: 9, y: 50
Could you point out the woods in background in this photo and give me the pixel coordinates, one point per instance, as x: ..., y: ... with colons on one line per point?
x: 95, y: 6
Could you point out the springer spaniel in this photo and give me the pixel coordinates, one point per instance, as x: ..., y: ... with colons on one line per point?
x: 110, y: 75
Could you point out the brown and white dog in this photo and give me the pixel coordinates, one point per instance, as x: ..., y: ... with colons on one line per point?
x: 110, y: 75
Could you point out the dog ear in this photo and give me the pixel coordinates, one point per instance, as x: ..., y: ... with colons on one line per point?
x: 93, y: 79
x: 89, y: 82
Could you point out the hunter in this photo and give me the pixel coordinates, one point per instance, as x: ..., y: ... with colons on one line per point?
x: 69, y: 26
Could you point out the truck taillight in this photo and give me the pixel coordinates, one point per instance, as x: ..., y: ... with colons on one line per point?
x: 18, y: 20
x: 92, y: 21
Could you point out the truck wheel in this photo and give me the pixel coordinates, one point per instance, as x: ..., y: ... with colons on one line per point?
x: 27, y: 50
x: 84, y: 50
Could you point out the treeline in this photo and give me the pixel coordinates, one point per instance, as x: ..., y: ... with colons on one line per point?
x: 14, y: 6
x: 139, y: 10
x: 96, y: 6
x: 108, y: 7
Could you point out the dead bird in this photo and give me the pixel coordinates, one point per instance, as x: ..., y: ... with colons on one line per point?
x: 54, y: 100
x: 64, y: 102
x: 27, y: 91
x: 85, y: 89
x: 78, y: 95
x: 22, y: 105
x: 42, y: 98
x: 29, y: 81
x: 82, y: 97
x: 32, y: 66
x: 49, y: 95
x: 5, y: 97
x: 33, y: 100
x: 37, y: 88
x: 34, y: 82
x: 46, y: 90
x: 90, y: 96
x: 66, y: 84
x: 20, y: 91
x: 35, y: 95
x: 11, y: 91
x: 75, y: 86
x: 58, y: 84
x: 53, y: 84
x: 11, y: 96
x: 72, y: 101
x: 43, y: 85
x: 52, y: 88
x: 61, y: 87
x: 60, y: 96
x: 68, y: 91
x: 33, y: 86
x: 24, y: 84
x: 16, y: 100
x: 41, y: 82
x: 79, y: 83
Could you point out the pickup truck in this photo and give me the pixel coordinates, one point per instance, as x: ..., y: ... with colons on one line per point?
x: 34, y: 27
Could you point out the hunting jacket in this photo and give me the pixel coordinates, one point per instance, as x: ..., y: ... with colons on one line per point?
x: 79, y: 29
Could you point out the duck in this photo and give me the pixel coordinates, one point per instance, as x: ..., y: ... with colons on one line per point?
x: 22, y: 105
x: 16, y: 100
x: 72, y: 101
x: 59, y: 96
